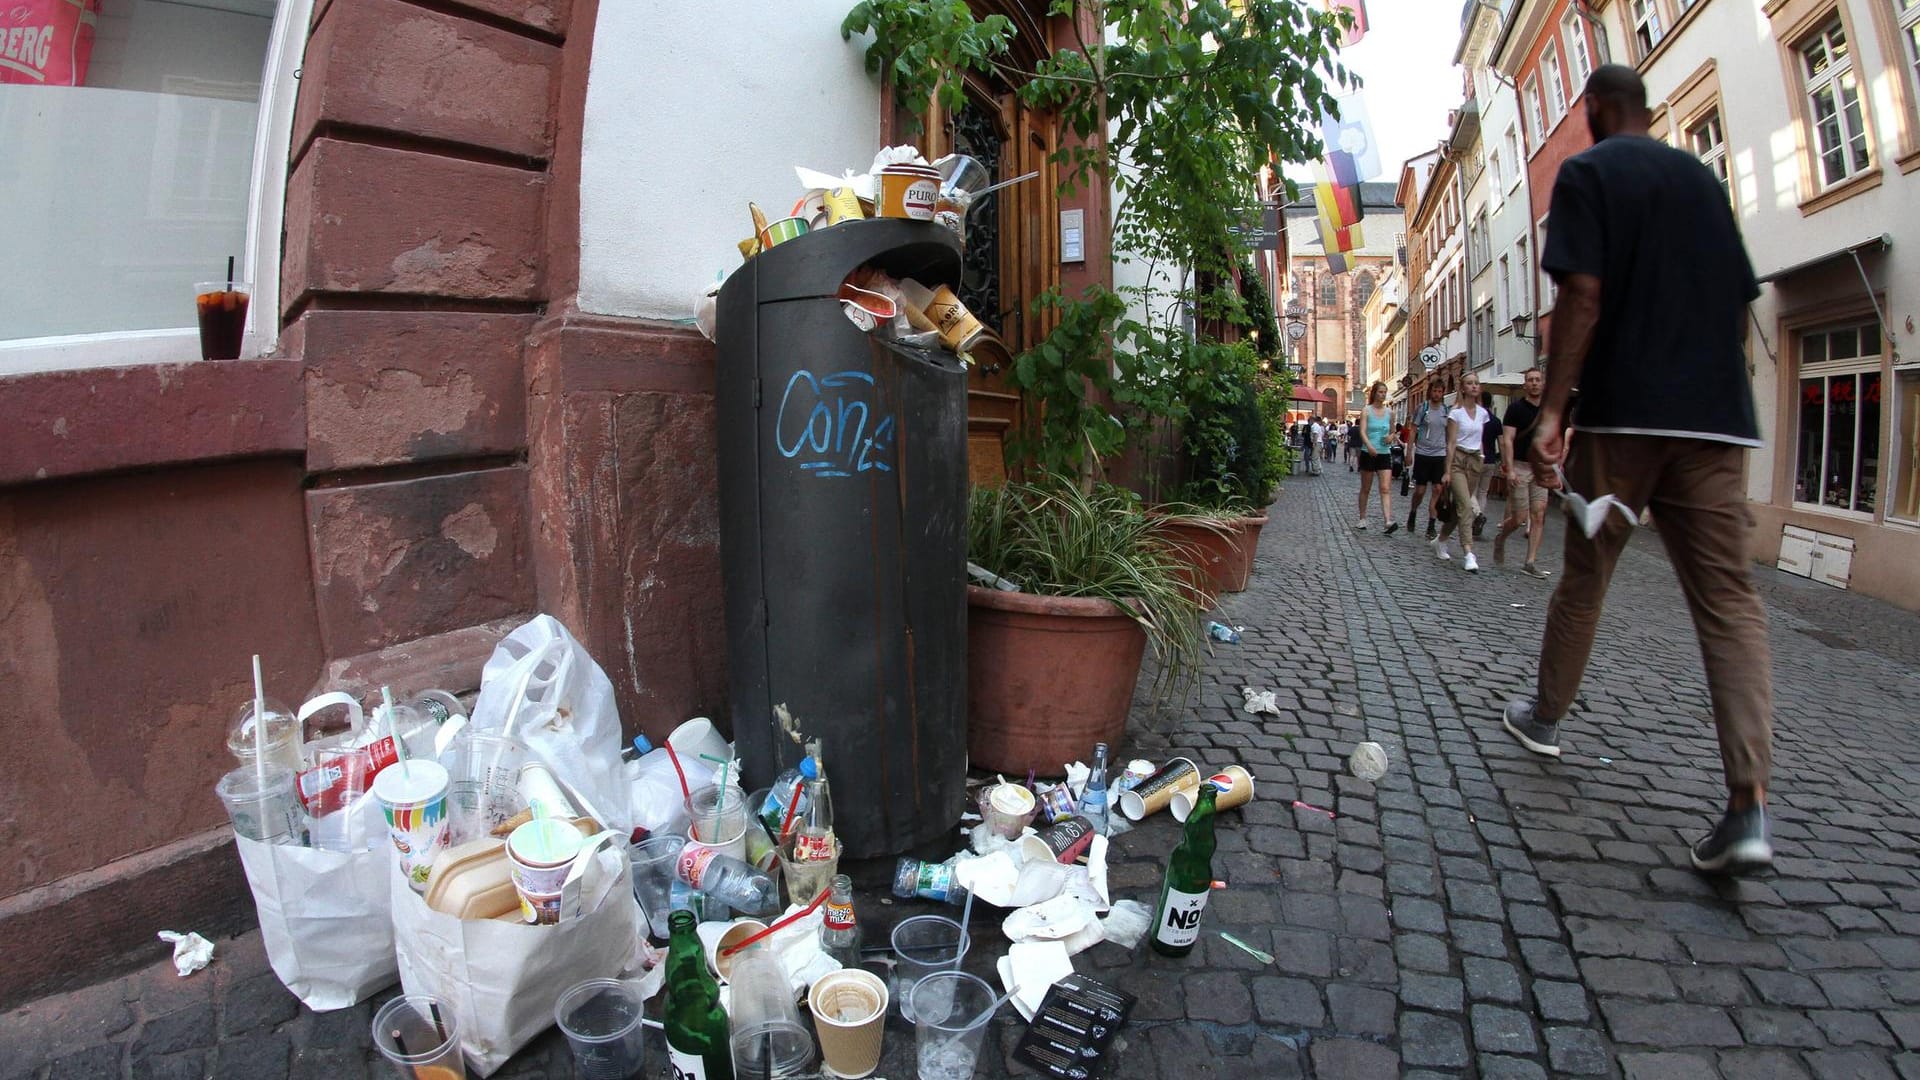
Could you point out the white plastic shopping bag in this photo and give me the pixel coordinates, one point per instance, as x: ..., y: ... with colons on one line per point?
x: 502, y: 978
x: 541, y: 687
x: 325, y: 918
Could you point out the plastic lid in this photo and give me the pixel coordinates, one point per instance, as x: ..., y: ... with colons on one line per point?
x: 641, y: 744
x: 809, y: 768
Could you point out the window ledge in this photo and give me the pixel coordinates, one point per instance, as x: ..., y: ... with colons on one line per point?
x: 96, y: 420
x: 1835, y: 512
x: 1909, y: 161
x: 1857, y: 184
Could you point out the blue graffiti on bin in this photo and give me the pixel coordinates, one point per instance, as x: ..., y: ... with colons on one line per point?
x: 829, y: 423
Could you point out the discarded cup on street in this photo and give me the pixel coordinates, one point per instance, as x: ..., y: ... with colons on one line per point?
x: 1154, y: 793
x: 908, y: 191
x: 1137, y: 772
x: 781, y: 231
x: 1007, y: 809
x: 414, y: 800
x: 263, y: 805
x: 923, y: 945
x: 763, y: 1018
x: 653, y: 862
x: 541, y: 853
x: 1063, y: 842
x: 1056, y: 803
x: 283, y: 735
x: 1233, y: 786
x: 421, y: 1037
x: 718, y: 936
x: 950, y: 1014
x: 1368, y: 761
x: 849, y: 1009
x: 601, y: 1020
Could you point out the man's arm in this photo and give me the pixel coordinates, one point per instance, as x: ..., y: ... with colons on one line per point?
x: 1506, y: 449
x: 1569, y: 337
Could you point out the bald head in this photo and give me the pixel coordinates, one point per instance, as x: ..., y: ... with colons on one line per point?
x: 1616, y: 102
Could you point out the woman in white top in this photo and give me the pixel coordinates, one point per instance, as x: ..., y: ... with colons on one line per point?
x: 1465, y: 465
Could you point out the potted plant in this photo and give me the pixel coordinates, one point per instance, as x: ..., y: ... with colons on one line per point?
x: 1051, y: 668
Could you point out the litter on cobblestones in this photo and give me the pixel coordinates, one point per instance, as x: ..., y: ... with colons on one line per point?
x: 1298, y: 805
x: 1263, y: 957
x: 1368, y: 762
x: 191, y: 952
x: 1260, y: 701
x: 1223, y: 632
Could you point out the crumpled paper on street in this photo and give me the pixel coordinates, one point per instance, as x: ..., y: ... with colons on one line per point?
x: 191, y: 952
x: 1031, y: 968
x: 1260, y: 701
x: 1126, y: 924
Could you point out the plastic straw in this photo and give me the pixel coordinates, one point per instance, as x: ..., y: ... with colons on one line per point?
x: 439, y: 1025
x: 993, y: 1008
x: 966, y: 922
x: 229, y: 273
x: 780, y: 924
x: 686, y: 793
x: 259, y: 724
x: 720, y: 796
x: 786, y: 823
x: 393, y: 728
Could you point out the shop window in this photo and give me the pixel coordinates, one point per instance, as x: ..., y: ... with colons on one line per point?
x: 1834, y: 107
x: 130, y: 172
x: 1905, y: 504
x: 1837, y: 463
x: 1709, y: 144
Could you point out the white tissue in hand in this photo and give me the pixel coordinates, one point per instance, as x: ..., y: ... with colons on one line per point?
x: 1260, y: 701
x: 191, y: 952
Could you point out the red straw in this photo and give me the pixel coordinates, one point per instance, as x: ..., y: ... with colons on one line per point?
x: 786, y: 823
x: 685, y: 792
x: 779, y: 925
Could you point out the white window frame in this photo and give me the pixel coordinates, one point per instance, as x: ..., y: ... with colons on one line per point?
x: 1647, y: 31
x: 1837, y: 80
x: 1902, y: 472
x: 260, y: 264
x: 1504, y: 311
x: 1536, y: 119
x: 1556, y: 86
x: 1714, y: 154
x: 1579, y: 58
x: 1908, y: 19
x: 1852, y: 367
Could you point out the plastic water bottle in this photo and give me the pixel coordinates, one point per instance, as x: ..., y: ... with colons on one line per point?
x: 1093, y: 800
x: 774, y: 810
x: 728, y: 880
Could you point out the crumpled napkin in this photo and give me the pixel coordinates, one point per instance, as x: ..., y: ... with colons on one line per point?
x: 1260, y: 701
x: 191, y: 952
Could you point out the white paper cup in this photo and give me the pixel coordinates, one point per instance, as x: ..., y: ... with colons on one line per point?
x: 413, y: 798
x: 1156, y: 791
x: 695, y: 737
x: 715, y: 936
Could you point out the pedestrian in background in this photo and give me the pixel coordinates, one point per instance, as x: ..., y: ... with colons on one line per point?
x: 1490, y: 450
x: 1352, y: 439
x: 1526, y: 498
x: 1466, y: 462
x: 1375, y: 431
x: 1316, y: 436
x: 1429, y: 455
x: 1631, y: 315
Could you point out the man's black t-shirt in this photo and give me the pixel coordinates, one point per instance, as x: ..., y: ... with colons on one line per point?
x: 1520, y: 417
x: 1653, y: 224
x: 1490, y: 439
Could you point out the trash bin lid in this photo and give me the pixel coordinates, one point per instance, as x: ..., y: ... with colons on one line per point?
x: 815, y: 264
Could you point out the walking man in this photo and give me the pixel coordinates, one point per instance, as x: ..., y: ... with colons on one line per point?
x: 1631, y: 316
x: 1429, y: 456
x: 1316, y: 438
x: 1526, y: 499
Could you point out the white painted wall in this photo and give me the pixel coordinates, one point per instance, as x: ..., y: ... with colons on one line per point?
x: 693, y: 110
x: 1766, y: 177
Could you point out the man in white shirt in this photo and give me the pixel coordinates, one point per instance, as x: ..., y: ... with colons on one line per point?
x: 1316, y: 438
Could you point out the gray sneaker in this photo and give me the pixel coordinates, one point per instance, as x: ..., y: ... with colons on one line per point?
x: 1740, y: 843
x: 1533, y: 571
x: 1539, y: 736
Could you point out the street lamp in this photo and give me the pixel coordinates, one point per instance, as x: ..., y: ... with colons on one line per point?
x: 1520, y: 321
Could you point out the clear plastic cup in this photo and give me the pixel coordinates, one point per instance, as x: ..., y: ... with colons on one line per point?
x: 601, y: 1020
x: 951, y: 1010
x: 764, y: 1020
x: 484, y: 773
x: 420, y: 1036
x: 718, y: 815
x: 264, y: 804
x: 653, y: 878
x: 923, y: 945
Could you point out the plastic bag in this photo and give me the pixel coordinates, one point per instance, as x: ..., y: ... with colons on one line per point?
x: 502, y: 978
x: 325, y: 918
x: 541, y: 687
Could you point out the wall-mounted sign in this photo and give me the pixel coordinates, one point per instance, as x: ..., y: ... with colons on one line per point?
x: 1429, y: 358
x: 1073, y: 234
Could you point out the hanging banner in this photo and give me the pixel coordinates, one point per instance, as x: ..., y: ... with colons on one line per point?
x: 1359, y: 28
x: 46, y: 42
x: 1347, y: 136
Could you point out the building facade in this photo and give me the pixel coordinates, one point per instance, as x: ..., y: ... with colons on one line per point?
x: 1437, y: 275
x: 1499, y: 219
x: 1333, y: 353
x: 1809, y: 112
x: 1385, y: 316
x: 470, y: 388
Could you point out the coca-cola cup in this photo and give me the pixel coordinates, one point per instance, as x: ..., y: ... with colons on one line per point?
x: 222, y: 307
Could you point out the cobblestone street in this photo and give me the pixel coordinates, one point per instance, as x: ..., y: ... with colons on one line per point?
x: 1476, y: 913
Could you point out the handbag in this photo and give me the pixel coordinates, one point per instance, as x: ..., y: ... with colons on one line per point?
x: 1445, y: 510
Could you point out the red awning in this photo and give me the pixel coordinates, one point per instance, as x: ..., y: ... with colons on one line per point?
x: 1308, y: 393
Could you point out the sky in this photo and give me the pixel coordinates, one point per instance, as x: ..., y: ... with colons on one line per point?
x: 1406, y: 60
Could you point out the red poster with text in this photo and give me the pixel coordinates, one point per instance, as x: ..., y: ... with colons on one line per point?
x: 47, y: 42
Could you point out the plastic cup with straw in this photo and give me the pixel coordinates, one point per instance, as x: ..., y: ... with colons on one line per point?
x: 966, y: 925
x: 720, y: 799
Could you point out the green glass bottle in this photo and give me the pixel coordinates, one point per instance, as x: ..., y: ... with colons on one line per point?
x: 696, y: 1025
x: 1176, y: 924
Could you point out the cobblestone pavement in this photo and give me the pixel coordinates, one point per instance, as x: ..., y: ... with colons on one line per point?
x: 1476, y: 913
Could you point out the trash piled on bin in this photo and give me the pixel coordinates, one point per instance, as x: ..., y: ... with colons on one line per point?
x: 900, y: 184
x: 521, y: 867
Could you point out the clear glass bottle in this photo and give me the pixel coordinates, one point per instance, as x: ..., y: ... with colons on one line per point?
x: 840, y: 932
x: 1093, y: 799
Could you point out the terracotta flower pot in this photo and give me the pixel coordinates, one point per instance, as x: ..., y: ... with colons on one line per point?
x: 1222, y: 558
x: 1047, y: 677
